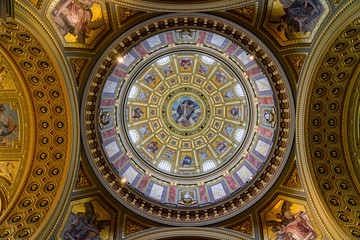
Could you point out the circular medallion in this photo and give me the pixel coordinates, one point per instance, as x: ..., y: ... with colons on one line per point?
x: 186, y: 111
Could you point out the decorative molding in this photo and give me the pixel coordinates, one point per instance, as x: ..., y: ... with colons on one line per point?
x: 178, y: 6
x: 189, y: 232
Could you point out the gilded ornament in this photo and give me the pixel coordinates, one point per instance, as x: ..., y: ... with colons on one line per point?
x: 296, y: 62
x: 244, y: 226
x: 78, y: 67
x: 7, y: 170
x: 82, y: 180
x: 131, y: 226
x: 247, y: 12
x: 293, y: 179
x: 125, y: 14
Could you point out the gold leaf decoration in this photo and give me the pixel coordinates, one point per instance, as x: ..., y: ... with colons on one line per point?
x: 126, y: 13
x: 131, y: 226
x: 82, y: 181
x: 296, y: 62
x: 293, y: 179
x: 247, y: 12
x: 78, y: 65
x: 37, y: 3
x: 6, y: 82
x: 7, y: 170
x: 244, y: 226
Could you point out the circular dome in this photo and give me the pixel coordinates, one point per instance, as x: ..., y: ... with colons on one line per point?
x: 191, y: 126
x: 186, y: 113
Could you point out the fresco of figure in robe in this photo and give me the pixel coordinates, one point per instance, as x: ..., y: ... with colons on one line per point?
x: 186, y: 111
x: 9, y: 125
x: 79, y: 21
x: 294, y: 19
x: 288, y: 220
x: 87, y: 221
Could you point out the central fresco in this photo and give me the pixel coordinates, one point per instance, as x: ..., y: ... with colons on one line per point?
x: 186, y: 113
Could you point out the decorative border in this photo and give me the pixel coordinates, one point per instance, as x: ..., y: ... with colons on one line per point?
x: 179, y: 7
x: 210, y: 233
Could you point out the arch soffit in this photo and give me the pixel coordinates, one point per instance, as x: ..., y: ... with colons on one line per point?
x: 318, y: 61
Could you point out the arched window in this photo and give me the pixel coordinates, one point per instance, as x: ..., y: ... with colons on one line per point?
x: 163, y: 61
x: 165, y: 166
x: 239, y: 90
x: 207, y: 60
x: 208, y: 165
x: 133, y: 91
x: 134, y: 135
x: 239, y: 134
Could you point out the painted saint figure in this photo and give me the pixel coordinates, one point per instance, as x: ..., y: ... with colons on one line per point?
x: 85, y: 225
x: 299, y: 16
x: 220, y: 77
x: 75, y: 17
x: 187, y: 112
x: 168, y: 154
x: 291, y: 225
x: 235, y: 112
x: 203, y: 153
x: 228, y: 129
x: 228, y: 94
x: 7, y: 128
x: 186, y: 161
x: 167, y: 70
x: 144, y: 130
x: 185, y: 62
x: 150, y: 78
x: 221, y: 146
x: 143, y: 95
x: 137, y: 113
x: 105, y: 118
x: 203, y: 69
x: 152, y: 147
